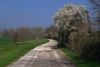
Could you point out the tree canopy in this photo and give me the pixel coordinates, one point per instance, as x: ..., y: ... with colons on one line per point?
x: 72, y: 18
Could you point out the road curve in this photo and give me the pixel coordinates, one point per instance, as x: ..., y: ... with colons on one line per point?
x: 46, y: 55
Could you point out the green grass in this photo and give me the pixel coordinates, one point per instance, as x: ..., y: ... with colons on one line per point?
x: 5, y: 40
x: 79, y: 61
x: 11, y: 52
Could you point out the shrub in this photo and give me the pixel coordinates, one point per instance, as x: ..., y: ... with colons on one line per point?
x: 91, y: 48
x: 61, y: 44
x: 87, y: 47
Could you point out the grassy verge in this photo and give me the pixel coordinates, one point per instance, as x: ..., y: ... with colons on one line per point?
x: 11, y: 52
x: 79, y: 61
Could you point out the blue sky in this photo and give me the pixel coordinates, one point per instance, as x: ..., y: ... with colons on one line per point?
x: 16, y: 13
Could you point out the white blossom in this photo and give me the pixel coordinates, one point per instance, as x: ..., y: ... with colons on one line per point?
x: 70, y: 16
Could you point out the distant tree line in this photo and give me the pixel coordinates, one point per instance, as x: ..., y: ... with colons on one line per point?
x: 23, y: 33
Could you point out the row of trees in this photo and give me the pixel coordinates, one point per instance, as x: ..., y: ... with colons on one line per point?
x: 23, y: 33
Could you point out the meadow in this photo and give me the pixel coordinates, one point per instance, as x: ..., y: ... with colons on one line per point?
x: 9, y: 51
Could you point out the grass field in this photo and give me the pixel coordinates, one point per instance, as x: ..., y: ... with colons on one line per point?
x: 79, y: 61
x: 5, y: 40
x: 10, y: 52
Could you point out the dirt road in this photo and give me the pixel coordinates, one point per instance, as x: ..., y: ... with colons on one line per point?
x: 46, y: 55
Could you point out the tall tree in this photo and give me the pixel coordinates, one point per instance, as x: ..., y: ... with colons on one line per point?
x: 96, y: 6
x: 71, y: 20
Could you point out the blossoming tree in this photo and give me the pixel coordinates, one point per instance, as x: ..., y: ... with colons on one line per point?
x: 71, y: 20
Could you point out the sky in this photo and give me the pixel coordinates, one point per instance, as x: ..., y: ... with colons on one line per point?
x: 31, y: 13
